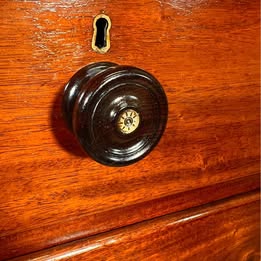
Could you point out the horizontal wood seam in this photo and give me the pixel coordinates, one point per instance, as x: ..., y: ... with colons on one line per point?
x: 193, y: 213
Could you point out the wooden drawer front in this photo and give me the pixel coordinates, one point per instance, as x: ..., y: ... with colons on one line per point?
x: 205, y: 54
x: 225, y: 230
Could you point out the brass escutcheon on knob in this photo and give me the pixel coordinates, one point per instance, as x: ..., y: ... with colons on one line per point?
x: 128, y: 121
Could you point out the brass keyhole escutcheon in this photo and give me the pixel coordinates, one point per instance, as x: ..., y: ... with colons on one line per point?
x: 128, y: 121
x: 101, y: 33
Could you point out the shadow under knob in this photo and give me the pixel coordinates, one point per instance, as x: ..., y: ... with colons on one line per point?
x: 118, y: 113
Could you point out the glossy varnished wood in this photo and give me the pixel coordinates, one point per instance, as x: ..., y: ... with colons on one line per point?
x: 85, y: 225
x: 226, y: 230
x: 206, y: 56
x: 99, y: 99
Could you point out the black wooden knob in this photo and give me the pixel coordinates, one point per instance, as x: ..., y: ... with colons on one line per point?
x: 118, y: 113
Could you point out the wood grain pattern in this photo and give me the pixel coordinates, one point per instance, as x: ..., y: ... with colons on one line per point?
x: 227, y: 230
x: 206, y: 56
x: 85, y: 225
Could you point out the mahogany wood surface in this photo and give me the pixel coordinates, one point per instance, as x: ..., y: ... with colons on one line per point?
x: 205, y: 53
x: 226, y: 230
x: 86, y: 225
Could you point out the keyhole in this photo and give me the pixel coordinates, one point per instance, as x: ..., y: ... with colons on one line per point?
x: 101, y: 26
x: 101, y: 36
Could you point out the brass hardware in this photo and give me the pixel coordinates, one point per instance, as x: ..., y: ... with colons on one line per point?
x: 101, y: 33
x: 128, y: 121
